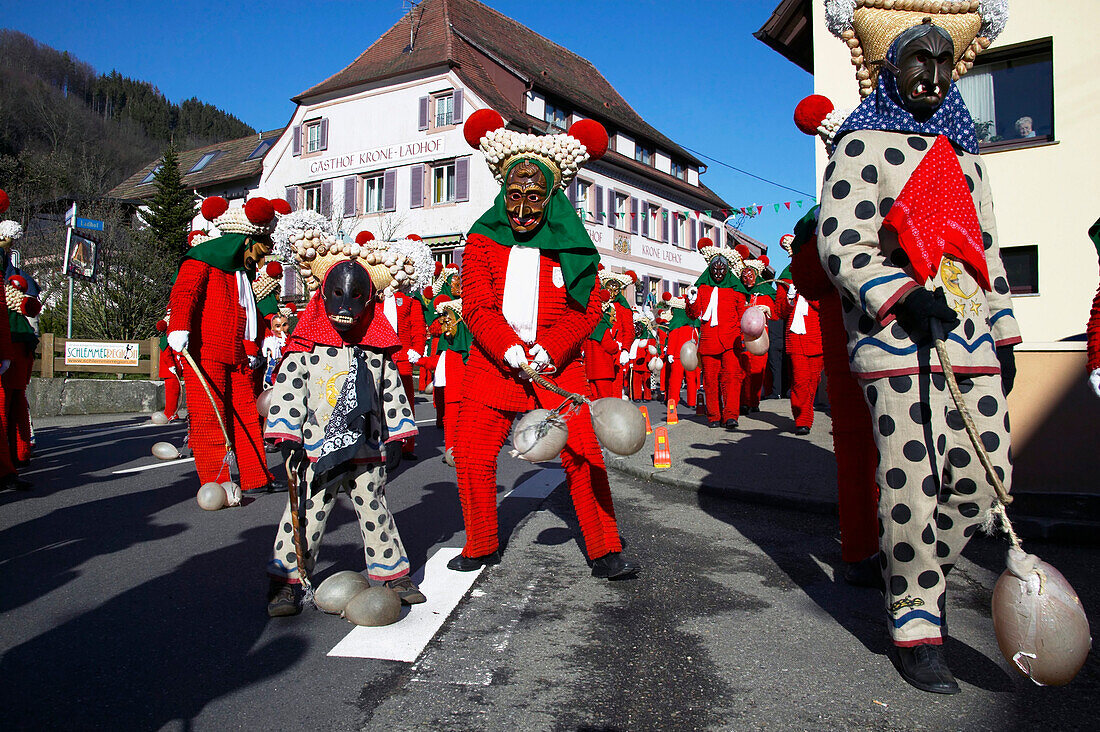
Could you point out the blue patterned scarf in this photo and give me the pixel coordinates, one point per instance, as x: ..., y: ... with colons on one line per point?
x: 884, y: 110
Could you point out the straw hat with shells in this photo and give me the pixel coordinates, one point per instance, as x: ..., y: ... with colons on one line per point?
x: 868, y: 27
x: 317, y: 254
x: 735, y: 259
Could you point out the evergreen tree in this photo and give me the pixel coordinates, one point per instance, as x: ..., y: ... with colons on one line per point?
x: 172, y: 207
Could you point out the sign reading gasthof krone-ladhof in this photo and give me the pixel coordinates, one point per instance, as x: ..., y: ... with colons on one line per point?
x: 98, y: 353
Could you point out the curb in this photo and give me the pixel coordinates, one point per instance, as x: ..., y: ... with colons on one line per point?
x: 1049, y: 517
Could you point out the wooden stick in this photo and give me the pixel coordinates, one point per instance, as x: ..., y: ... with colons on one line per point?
x: 210, y: 396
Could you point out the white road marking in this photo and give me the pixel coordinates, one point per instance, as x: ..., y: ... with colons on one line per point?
x: 179, y: 461
x: 444, y: 588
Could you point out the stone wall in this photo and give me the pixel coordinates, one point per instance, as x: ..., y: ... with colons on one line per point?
x: 50, y: 397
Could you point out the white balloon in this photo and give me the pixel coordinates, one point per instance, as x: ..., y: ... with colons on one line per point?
x: 211, y: 496
x: 336, y: 591
x: 165, y: 451
x: 232, y: 493
x: 159, y: 418
x: 374, y: 606
x: 539, y: 435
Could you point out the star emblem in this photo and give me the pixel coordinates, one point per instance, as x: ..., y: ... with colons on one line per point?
x: 328, y: 368
x: 960, y: 308
x: 976, y: 308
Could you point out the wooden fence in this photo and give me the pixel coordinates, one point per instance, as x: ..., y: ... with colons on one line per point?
x: 50, y: 358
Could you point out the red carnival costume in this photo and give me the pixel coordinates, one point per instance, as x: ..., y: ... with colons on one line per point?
x: 406, y: 315
x: 803, y: 345
x: 644, y: 349
x: 601, y: 353
x: 622, y: 329
x: 448, y: 365
x: 762, y: 295
x: 9, y: 232
x: 718, y: 304
x: 530, y: 301
x: 681, y: 329
x: 170, y: 372
x: 1094, y: 324
x: 213, y: 316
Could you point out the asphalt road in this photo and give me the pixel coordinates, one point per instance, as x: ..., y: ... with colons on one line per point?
x: 127, y: 607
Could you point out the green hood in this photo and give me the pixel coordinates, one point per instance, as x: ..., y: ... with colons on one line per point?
x: 562, y: 231
x: 225, y: 252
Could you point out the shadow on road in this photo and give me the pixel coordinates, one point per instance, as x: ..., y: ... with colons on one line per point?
x: 153, y: 654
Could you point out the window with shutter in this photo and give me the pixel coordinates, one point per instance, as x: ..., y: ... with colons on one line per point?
x: 458, y: 106
x: 422, y: 123
x: 291, y: 196
x: 599, y: 204
x: 296, y: 140
x: 612, y: 219
x: 324, y: 133
x: 675, y: 229
x: 389, y: 190
x: 645, y: 214
x: 349, y: 196
x: 462, y: 178
x: 326, y: 198
x: 416, y: 186
x: 374, y: 193
x: 694, y: 235
x: 664, y: 225
x: 633, y: 215
x: 571, y: 193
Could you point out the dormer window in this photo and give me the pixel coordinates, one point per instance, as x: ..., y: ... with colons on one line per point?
x: 678, y: 170
x: 204, y: 161
x: 643, y: 154
x: 555, y: 116
x: 152, y: 174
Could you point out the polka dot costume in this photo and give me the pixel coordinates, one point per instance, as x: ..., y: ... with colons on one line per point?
x: 933, y: 492
x: 385, y: 555
x: 304, y: 396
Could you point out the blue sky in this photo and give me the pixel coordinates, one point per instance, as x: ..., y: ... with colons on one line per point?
x: 692, y: 69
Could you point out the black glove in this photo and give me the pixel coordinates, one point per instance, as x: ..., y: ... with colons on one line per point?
x: 1008, y: 368
x: 919, y: 308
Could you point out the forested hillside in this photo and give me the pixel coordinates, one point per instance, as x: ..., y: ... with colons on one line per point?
x: 67, y: 131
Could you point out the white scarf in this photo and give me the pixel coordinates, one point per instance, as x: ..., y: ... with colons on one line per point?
x: 521, y: 292
x: 389, y: 309
x: 247, y: 300
x: 710, y: 315
x: 637, y: 346
x: 801, y: 310
x: 441, y: 370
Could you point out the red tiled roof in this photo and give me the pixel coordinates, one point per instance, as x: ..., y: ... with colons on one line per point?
x: 231, y: 164
x: 454, y: 32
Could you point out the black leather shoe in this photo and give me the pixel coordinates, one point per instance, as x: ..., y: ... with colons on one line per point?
x: 714, y: 424
x: 13, y: 482
x: 277, y: 486
x: 613, y: 566
x: 410, y: 456
x: 802, y: 430
x: 731, y: 424
x: 865, y: 573
x: 462, y: 563
x: 925, y: 667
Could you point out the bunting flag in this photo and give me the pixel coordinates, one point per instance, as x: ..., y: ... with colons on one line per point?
x: 756, y: 208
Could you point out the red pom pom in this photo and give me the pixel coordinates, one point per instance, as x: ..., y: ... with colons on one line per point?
x: 604, y: 295
x: 705, y: 241
x: 811, y: 112
x: 428, y: 293
x: 4, y: 202
x: 274, y: 270
x: 162, y: 325
x: 764, y: 258
x: 193, y: 234
x: 667, y: 297
x: 281, y: 206
x: 592, y: 135
x: 259, y: 210
x: 479, y: 124
x: 786, y: 239
x: 30, y: 307
x: 743, y: 251
x: 414, y: 237
x: 438, y: 269
x: 632, y: 275
x: 363, y: 237
x: 214, y: 207
x: 599, y: 268
x: 18, y: 282
x: 292, y: 307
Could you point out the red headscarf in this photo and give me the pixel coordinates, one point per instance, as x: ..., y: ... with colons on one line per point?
x: 314, y: 328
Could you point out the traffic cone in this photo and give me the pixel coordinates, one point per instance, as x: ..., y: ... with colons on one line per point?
x: 672, y: 417
x: 645, y: 413
x: 662, y: 458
